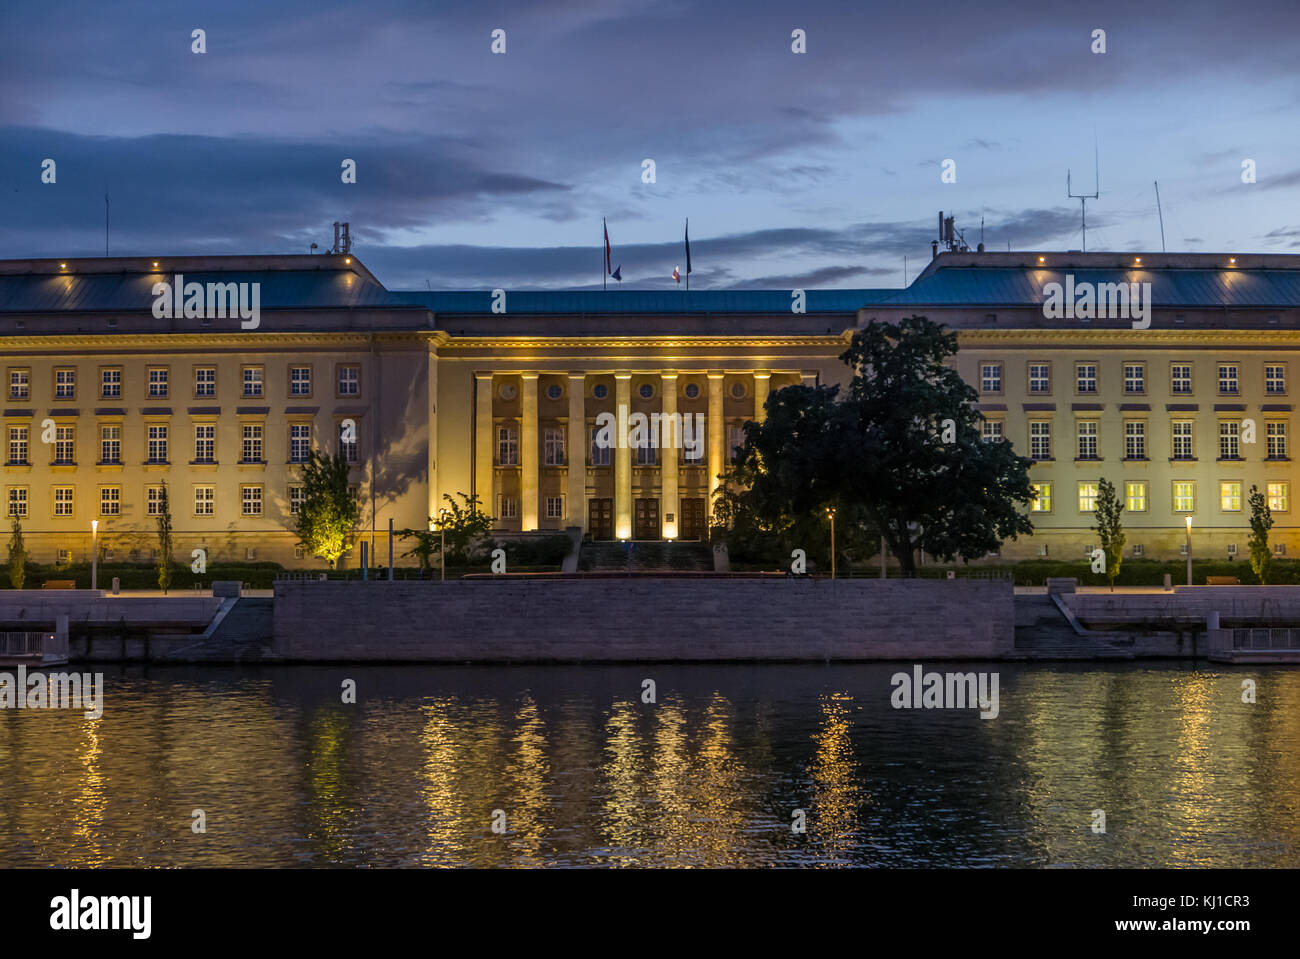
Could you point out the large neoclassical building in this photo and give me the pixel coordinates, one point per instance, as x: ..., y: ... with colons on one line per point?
x: 501, y: 395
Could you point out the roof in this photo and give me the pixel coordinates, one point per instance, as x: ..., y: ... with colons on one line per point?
x: 644, y: 302
x: 72, y: 290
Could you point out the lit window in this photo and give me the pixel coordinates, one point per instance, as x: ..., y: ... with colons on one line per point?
x: 17, y: 446
x: 205, y: 500
x: 297, y: 495
x: 153, y: 500
x: 63, y: 498
x: 1279, y: 497
x: 555, y: 507
x: 509, y: 508
x: 65, y: 446
x: 110, y: 444
x: 1135, y: 496
x: 18, y: 501
x: 205, y: 443
x: 1042, y: 502
x: 1184, y: 497
x: 157, y: 439
x: 19, y: 385
x: 1087, y: 497
x: 252, y: 446
x: 1230, y: 497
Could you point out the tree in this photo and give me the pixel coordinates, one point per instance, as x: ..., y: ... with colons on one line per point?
x: 900, y: 455
x: 329, y: 512
x: 1109, y: 529
x: 462, y: 528
x: 17, y: 555
x: 1261, y: 521
x: 164, y: 541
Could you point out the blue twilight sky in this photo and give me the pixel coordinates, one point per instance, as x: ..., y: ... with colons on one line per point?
x: 483, y: 170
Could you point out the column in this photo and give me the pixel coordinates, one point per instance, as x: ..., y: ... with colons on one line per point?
x: 434, y: 492
x: 762, y: 378
x: 622, y: 458
x: 670, y: 440
x: 528, y: 452
x: 484, y: 443
x: 717, y: 435
x: 576, y: 497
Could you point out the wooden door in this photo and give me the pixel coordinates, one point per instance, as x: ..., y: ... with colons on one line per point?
x: 600, y: 518
x: 645, y: 521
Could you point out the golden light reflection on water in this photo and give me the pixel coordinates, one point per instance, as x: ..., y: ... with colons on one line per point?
x: 1186, y: 773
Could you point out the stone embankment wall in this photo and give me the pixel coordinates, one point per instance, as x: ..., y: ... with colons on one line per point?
x: 643, y: 618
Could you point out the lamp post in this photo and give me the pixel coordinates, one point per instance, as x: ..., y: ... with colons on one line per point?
x: 442, y: 551
x: 830, y: 511
x: 94, y: 554
x: 1189, y: 551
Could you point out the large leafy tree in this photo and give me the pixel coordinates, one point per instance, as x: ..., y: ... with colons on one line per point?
x: 1261, y: 521
x: 463, y: 525
x: 329, y: 512
x: 899, y: 455
x: 1110, y: 528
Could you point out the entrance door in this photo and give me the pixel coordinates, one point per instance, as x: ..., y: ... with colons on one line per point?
x: 645, y: 522
x: 600, y: 518
x: 692, y: 526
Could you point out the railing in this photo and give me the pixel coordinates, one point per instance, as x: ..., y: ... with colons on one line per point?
x: 1275, y: 637
x: 24, y: 644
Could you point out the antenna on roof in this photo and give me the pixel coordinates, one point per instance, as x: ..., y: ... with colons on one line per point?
x: 1083, y: 198
x: 1162, y: 217
x: 342, y: 241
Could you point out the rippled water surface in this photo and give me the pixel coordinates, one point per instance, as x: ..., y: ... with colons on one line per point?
x: 710, y: 775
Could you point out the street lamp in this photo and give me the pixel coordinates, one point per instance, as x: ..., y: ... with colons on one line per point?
x: 94, y: 554
x: 442, y: 551
x: 830, y: 511
x: 1189, y: 551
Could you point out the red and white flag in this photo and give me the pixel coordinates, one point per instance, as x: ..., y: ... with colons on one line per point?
x: 677, y: 276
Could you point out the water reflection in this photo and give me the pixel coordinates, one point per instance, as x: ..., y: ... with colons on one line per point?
x: 586, y: 773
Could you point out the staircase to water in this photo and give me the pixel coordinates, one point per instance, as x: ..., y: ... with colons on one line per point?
x: 1043, y: 632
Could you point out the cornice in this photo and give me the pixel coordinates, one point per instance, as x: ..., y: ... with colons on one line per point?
x: 639, y: 342
x: 1132, y: 338
x: 188, y: 342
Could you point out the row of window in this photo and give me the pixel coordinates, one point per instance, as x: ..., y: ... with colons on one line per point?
x: 158, y: 382
x: 251, y: 496
x: 157, y: 443
x: 1182, y: 439
x: 508, y: 391
x: 1182, y: 500
x: 553, y: 447
x: 1134, y: 376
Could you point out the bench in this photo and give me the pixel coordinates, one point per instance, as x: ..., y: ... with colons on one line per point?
x: 1222, y: 581
x: 60, y: 584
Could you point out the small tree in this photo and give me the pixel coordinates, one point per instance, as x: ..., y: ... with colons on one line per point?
x: 329, y: 512
x: 164, y: 541
x: 1261, y: 521
x: 1109, y: 529
x: 463, y: 526
x: 17, y: 556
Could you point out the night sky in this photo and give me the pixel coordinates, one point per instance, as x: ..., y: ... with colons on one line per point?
x: 483, y: 170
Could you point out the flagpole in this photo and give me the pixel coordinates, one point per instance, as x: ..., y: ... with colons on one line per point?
x: 605, y: 228
x: 688, y: 254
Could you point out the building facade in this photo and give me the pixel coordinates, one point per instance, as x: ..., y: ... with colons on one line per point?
x: 504, y: 396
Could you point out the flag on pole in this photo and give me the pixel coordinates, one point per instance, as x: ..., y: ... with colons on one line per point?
x: 607, y: 250
x: 677, y: 276
x: 688, y: 247
x: 618, y: 273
